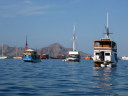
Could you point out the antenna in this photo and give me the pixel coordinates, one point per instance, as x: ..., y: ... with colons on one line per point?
x: 107, y: 29
x: 107, y: 19
x: 26, y: 43
x: 74, y: 38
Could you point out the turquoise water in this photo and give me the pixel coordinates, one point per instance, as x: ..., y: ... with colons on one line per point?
x: 57, y: 78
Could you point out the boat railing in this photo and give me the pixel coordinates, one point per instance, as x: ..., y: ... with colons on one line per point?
x: 103, y: 47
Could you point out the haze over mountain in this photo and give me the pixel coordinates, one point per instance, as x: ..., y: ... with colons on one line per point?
x: 52, y: 50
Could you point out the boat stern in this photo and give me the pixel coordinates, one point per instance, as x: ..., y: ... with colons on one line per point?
x: 27, y: 57
x: 104, y: 64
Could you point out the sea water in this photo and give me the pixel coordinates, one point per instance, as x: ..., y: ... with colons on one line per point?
x: 57, y: 78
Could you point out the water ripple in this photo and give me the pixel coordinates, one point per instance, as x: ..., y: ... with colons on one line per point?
x: 57, y: 78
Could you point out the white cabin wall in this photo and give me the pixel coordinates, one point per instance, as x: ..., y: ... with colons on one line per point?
x: 107, y: 58
x: 96, y: 57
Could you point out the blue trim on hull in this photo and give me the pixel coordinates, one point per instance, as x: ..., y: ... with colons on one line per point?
x: 27, y: 57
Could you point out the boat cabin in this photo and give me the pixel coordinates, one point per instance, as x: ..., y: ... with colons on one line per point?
x: 105, y: 44
x: 30, y: 51
x: 105, y: 50
x: 74, y: 54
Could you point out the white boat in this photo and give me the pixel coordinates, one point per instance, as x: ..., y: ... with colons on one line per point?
x: 105, y: 51
x: 73, y: 55
x: 125, y: 58
x: 2, y: 56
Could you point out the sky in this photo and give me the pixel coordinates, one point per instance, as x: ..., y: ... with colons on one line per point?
x: 45, y: 22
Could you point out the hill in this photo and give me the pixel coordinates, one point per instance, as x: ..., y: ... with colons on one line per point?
x: 52, y: 50
x: 56, y: 49
x: 11, y: 51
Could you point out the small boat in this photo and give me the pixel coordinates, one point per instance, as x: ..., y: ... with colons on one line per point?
x: 30, y: 55
x: 105, y: 51
x: 73, y: 55
x: 17, y: 57
x: 124, y: 57
x: 44, y: 56
x: 61, y: 56
x: 58, y: 57
x: 2, y: 56
x: 88, y: 58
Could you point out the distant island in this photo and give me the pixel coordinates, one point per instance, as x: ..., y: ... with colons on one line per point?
x: 52, y: 50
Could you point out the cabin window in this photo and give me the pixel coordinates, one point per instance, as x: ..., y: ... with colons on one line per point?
x: 107, y: 54
x: 97, y: 53
x: 97, y: 44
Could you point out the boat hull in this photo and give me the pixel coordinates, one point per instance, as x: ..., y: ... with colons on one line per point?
x: 28, y: 57
x: 104, y: 64
x: 4, y: 57
x: 32, y: 60
x: 72, y: 59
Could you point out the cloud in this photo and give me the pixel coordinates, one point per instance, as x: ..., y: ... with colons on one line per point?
x: 27, y: 2
x: 34, y: 10
x: 23, y: 9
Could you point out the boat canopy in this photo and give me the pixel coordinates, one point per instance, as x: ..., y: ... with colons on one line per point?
x: 30, y: 51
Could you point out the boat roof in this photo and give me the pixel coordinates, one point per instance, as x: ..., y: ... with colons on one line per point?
x: 29, y: 50
x: 103, y: 40
x: 73, y: 52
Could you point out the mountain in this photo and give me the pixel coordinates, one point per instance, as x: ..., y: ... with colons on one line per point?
x: 56, y: 49
x: 52, y: 50
x: 11, y: 51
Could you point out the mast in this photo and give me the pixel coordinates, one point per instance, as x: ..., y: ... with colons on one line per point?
x: 107, y: 19
x: 107, y: 29
x: 26, y: 43
x: 16, y: 51
x: 74, y: 38
x: 2, y: 50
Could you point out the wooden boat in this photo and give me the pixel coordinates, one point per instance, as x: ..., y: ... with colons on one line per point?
x: 18, y: 57
x: 73, y: 55
x: 58, y: 57
x: 105, y: 51
x: 44, y: 56
x: 61, y: 57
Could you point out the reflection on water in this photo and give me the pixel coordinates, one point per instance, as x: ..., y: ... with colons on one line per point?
x: 103, y: 80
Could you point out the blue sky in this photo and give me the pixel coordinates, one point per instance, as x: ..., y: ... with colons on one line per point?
x: 50, y: 21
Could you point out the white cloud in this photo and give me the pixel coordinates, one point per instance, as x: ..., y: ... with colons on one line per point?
x: 27, y: 2
x: 23, y: 9
x: 34, y: 10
